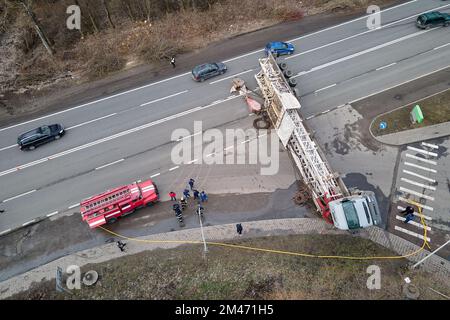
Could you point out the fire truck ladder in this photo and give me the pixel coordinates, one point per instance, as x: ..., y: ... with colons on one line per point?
x: 108, y: 199
x: 281, y: 102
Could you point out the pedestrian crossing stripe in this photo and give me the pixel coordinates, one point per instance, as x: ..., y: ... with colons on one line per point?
x: 411, y: 233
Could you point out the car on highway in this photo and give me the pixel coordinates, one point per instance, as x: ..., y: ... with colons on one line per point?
x: 433, y: 19
x: 278, y: 48
x: 208, y: 70
x: 33, y: 138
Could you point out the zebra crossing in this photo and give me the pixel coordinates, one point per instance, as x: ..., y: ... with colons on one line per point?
x: 416, y: 186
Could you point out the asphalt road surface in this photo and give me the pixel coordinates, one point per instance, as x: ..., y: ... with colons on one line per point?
x: 334, y: 66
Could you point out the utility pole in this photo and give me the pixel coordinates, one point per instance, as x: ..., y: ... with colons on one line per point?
x: 414, y: 266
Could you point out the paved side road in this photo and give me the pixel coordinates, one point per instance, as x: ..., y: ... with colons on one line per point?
x: 435, y: 264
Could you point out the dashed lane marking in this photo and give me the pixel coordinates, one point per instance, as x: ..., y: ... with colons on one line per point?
x: 421, y: 195
x: 413, y: 223
x: 109, y: 164
x: 420, y: 167
x: 155, y: 175
x: 421, y: 159
x: 164, y: 98
x: 29, y: 222
x: 74, y: 206
x: 5, y: 231
x: 423, y: 151
x: 418, y: 184
x: 174, y: 168
x: 90, y: 121
x: 18, y: 196
x: 411, y: 233
x: 52, y: 214
x: 386, y: 66
x: 325, y: 88
x: 229, y: 77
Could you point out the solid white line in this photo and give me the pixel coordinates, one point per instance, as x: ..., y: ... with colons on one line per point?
x: 32, y: 163
x: 416, y: 213
x: 52, y: 214
x: 74, y: 206
x: 418, y: 175
x: 419, y: 167
x: 90, y: 121
x: 95, y: 101
x: 325, y: 88
x: 12, y: 146
x: 155, y: 175
x: 423, y: 151
x: 418, y: 184
x: 360, y: 53
x: 418, y: 225
x: 234, y: 75
x: 20, y: 195
x: 8, y: 171
x: 416, y: 204
x: 443, y: 46
x: 430, y: 145
x: 171, y: 169
x: 411, y: 233
x: 164, y: 98
x: 421, y: 159
x: 5, y: 231
x: 29, y: 222
x: 109, y: 164
x: 387, y: 66
x: 192, y: 161
x: 416, y: 193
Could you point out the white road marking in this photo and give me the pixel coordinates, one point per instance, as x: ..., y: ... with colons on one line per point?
x: 421, y: 159
x: 416, y: 204
x: 120, y: 134
x: 418, y: 184
x: 243, y: 55
x: 360, y: 53
x: 109, y: 164
x: 29, y: 222
x: 74, y: 206
x: 90, y: 121
x: 245, y: 141
x: 227, y: 148
x: 164, y: 98
x: 419, y: 225
x: 234, y: 75
x: 416, y: 213
x: 32, y: 163
x: 174, y: 168
x: 192, y: 161
x: 96, y: 101
x: 155, y: 175
x: 325, y: 88
x: 211, y: 154
x: 411, y: 233
x: 423, y: 151
x: 443, y: 46
x: 421, y: 195
x: 323, y: 112
x: 418, y: 175
x: 386, y: 66
x: 189, y: 136
x: 52, y: 214
x: 419, y: 167
x: 5, y: 231
x: 11, y: 146
x: 430, y: 145
x: 310, y: 117
x: 20, y: 195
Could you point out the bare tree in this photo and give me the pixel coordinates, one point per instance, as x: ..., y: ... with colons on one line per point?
x: 38, y: 27
x: 108, y: 15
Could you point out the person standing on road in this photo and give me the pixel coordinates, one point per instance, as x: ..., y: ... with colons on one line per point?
x: 408, y: 210
x: 1, y: 210
x: 186, y: 193
x: 173, y: 196
x: 203, y: 196
x: 239, y: 229
x: 196, y: 194
x: 409, y: 217
x: 191, y: 183
x: 172, y: 61
x: 183, y: 203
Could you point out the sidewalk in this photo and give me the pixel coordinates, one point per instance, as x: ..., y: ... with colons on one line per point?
x: 226, y: 232
x: 415, y: 135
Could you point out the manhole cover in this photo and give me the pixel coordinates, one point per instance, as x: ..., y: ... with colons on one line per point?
x: 90, y: 278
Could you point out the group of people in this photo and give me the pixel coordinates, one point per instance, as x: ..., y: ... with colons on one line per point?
x: 178, y: 207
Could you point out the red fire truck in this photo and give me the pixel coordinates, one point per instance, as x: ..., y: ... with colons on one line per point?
x: 107, y: 207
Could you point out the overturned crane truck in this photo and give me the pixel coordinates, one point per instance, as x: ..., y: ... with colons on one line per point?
x: 332, y: 199
x: 109, y: 206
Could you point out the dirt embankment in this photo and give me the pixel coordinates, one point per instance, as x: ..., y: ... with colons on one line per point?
x: 117, y: 35
x: 234, y: 273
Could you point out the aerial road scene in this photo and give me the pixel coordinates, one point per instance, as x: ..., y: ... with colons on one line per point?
x: 210, y: 152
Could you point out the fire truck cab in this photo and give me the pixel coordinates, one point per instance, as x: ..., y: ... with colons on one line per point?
x: 107, y: 207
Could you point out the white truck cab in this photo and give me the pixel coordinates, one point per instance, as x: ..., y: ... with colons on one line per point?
x: 356, y: 211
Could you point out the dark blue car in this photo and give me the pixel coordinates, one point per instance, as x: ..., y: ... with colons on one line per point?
x: 208, y: 70
x: 279, y: 48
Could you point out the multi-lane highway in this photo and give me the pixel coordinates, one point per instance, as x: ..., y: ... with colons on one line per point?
x: 127, y: 136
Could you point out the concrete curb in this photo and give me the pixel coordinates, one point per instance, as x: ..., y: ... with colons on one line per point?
x: 215, y: 233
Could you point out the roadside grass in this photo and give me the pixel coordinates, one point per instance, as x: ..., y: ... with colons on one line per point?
x: 435, y: 109
x: 231, y: 273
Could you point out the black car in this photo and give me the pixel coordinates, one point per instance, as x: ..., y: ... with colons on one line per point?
x: 31, y: 139
x: 433, y: 19
x: 208, y: 70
